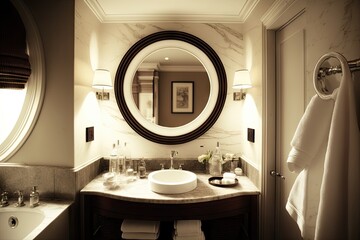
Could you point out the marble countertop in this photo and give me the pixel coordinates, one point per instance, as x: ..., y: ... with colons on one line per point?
x: 139, y: 191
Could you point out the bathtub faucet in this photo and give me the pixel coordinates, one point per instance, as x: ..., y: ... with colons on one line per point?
x: 4, y: 199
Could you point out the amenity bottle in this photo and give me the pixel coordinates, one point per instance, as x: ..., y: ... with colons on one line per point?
x: 215, y: 162
x: 113, y: 161
x: 34, y: 197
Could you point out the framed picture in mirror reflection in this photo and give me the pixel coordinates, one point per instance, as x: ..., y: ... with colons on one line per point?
x: 182, y: 97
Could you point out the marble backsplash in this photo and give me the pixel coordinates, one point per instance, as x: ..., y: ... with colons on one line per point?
x: 189, y: 164
x: 66, y: 183
x: 52, y: 182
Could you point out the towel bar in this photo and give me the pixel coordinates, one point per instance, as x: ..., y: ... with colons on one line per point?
x: 321, y: 72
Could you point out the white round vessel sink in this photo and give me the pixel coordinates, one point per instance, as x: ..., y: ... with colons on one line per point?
x: 172, y: 181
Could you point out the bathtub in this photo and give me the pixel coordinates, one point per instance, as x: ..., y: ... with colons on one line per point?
x: 50, y: 220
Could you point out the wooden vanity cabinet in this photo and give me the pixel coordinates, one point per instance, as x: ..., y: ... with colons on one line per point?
x: 236, y: 217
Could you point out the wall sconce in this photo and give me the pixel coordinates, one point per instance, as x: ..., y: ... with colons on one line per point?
x: 102, y: 80
x: 241, y: 81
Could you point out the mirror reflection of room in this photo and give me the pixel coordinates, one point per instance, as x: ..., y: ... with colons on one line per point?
x: 152, y: 86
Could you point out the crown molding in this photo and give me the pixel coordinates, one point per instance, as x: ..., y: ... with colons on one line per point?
x: 274, y: 17
x: 240, y: 17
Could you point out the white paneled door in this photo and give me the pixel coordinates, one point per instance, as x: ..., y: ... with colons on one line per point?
x: 290, y: 105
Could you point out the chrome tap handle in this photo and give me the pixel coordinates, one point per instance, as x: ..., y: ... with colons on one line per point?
x: 4, y: 199
x: 4, y: 196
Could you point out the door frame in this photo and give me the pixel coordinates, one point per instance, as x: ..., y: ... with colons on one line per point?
x: 280, y: 13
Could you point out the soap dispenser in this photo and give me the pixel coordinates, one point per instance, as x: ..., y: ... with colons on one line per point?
x: 34, y: 197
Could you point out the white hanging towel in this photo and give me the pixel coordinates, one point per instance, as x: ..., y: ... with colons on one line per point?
x: 324, y: 200
x: 307, y: 157
x: 339, y: 207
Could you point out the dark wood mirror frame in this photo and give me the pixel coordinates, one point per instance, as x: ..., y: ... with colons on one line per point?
x: 123, y: 67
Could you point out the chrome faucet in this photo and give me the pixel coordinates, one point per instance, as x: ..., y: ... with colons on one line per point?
x: 173, y: 153
x: 20, y: 202
x: 4, y: 199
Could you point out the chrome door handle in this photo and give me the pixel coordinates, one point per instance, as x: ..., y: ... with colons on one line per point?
x: 276, y: 174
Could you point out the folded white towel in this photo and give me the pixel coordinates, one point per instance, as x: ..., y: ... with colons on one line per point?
x: 228, y: 180
x: 139, y: 235
x: 187, y: 227
x: 140, y: 226
x: 229, y: 175
x: 200, y: 236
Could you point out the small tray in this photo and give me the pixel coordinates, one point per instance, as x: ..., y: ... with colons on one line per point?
x: 217, y: 181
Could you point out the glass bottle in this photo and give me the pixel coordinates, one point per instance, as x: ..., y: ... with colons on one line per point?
x: 215, y: 163
x: 128, y: 161
x: 113, y: 166
x: 34, y: 197
x: 233, y: 165
x: 121, y: 158
x: 142, y: 169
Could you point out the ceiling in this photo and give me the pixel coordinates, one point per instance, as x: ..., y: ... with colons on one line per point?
x: 220, y: 11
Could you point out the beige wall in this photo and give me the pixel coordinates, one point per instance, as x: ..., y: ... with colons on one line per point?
x: 86, y: 108
x: 58, y: 138
x: 52, y: 140
x: 113, y: 40
x: 331, y: 26
x: 70, y: 105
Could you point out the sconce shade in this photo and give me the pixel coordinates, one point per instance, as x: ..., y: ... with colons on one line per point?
x: 242, y: 79
x: 102, y: 79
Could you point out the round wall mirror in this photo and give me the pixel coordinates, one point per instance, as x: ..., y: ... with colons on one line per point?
x: 27, y: 105
x: 170, y: 87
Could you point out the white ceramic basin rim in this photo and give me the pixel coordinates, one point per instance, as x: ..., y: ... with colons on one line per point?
x: 172, y: 181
